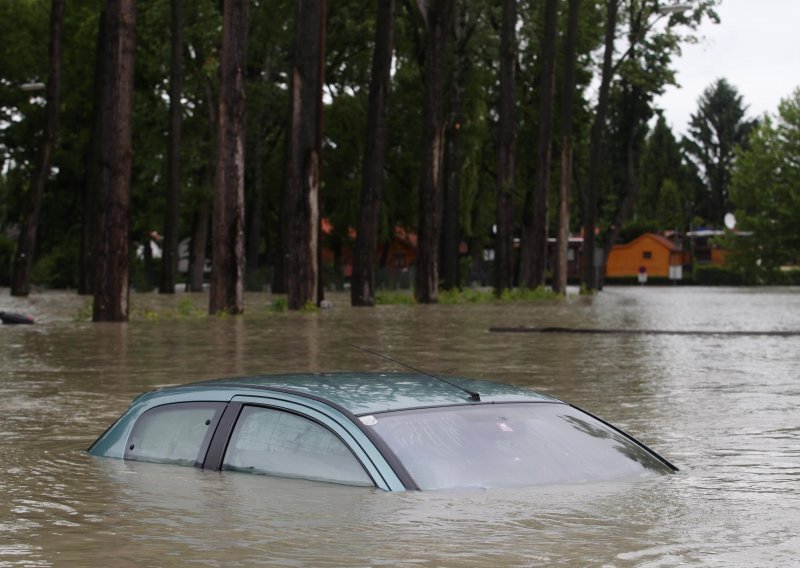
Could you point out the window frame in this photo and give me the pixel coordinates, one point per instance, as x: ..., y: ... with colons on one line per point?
x: 216, y: 458
x: 205, y: 444
x: 215, y: 455
x: 381, y: 465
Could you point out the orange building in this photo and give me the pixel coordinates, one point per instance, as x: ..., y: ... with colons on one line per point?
x: 652, y: 252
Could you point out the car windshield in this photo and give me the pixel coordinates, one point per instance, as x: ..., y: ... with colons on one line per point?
x: 509, y: 445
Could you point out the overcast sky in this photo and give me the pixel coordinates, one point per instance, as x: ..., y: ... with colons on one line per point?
x: 756, y: 47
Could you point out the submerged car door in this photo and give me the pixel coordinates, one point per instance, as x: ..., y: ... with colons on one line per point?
x: 290, y: 435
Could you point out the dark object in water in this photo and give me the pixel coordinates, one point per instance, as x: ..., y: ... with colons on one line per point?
x: 11, y: 319
x: 777, y: 333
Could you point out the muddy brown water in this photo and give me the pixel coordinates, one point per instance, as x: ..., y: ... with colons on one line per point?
x: 724, y: 408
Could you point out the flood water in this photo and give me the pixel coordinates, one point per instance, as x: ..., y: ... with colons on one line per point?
x: 725, y: 409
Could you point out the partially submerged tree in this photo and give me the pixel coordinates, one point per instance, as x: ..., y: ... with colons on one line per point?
x: 506, y: 152
x: 227, y: 260
x: 461, y: 66
x: 364, y: 257
x: 533, y: 251
x: 436, y: 15
x: 589, y: 276
x: 111, y: 262
x: 567, y: 103
x: 300, y: 217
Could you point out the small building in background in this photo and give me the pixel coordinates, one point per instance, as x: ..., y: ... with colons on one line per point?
x: 703, y: 249
x: 657, y: 255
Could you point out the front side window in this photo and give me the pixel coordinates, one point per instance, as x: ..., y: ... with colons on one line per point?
x: 510, y: 445
x: 174, y: 433
x: 275, y: 442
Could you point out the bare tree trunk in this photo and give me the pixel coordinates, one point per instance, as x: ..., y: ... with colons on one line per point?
x: 567, y: 101
x: 598, y: 127
x: 112, y: 269
x: 301, y: 218
x: 533, y: 257
x: 20, y: 283
x: 362, y: 290
x: 169, y: 257
x: 437, y: 18
x: 506, y: 156
x: 451, y: 228
x: 227, y: 251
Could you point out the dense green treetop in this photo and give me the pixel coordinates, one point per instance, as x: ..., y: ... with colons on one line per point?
x: 765, y: 187
x: 715, y: 131
x: 672, y: 189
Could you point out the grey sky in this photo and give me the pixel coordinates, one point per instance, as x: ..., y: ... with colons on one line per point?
x: 756, y: 47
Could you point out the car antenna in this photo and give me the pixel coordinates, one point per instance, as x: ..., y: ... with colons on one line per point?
x: 473, y: 395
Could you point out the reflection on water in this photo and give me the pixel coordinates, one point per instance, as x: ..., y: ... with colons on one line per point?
x: 724, y: 409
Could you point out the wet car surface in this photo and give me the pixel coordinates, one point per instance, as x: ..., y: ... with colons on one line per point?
x: 391, y: 431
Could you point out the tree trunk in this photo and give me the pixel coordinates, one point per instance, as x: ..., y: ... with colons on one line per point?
x: 533, y: 258
x: 506, y: 155
x: 112, y: 268
x: 451, y: 229
x: 169, y: 257
x: 567, y: 98
x: 589, y: 278
x: 300, y: 230
x: 437, y: 19
x: 20, y: 283
x: 227, y: 252
x: 362, y: 290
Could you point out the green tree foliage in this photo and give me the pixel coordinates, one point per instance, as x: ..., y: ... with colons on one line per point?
x: 646, y: 43
x: 765, y: 186
x: 654, y: 36
x: 669, y: 183
x: 661, y: 161
x: 715, y: 131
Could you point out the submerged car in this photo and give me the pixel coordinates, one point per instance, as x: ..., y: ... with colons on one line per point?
x: 392, y: 431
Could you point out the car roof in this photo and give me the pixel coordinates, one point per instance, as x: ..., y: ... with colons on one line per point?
x: 367, y: 393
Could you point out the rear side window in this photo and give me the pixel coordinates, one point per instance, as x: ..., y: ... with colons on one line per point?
x: 174, y: 433
x: 283, y: 444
